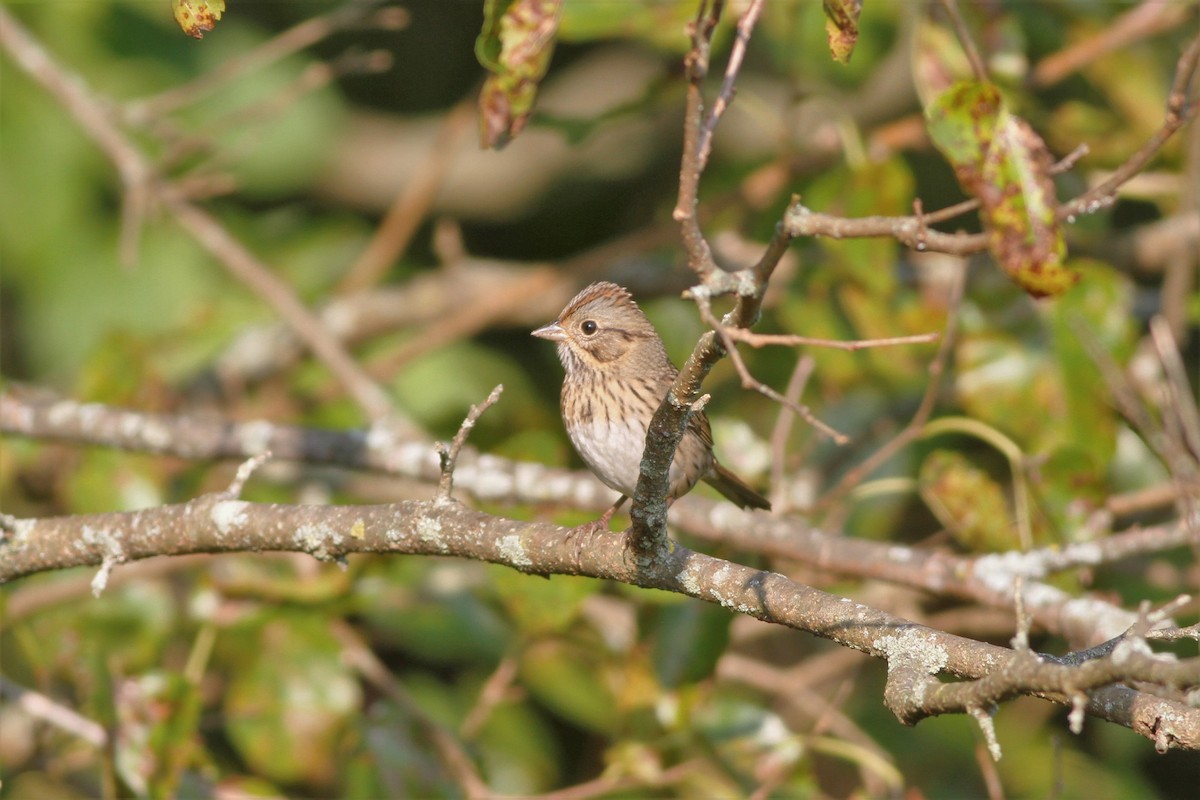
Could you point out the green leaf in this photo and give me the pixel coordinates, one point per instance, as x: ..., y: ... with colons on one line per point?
x: 571, y: 681
x: 287, y: 713
x: 689, y: 638
x: 967, y: 501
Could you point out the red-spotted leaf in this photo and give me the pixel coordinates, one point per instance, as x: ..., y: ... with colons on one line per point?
x: 515, y: 46
x: 1000, y: 160
x: 841, y: 25
x: 198, y: 17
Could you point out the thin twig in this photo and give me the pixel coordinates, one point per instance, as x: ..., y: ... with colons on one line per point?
x: 759, y: 340
x: 783, y: 429
x: 449, y: 455
x: 293, y: 40
x: 1179, y: 110
x: 244, y: 471
x: 39, y: 706
x: 495, y: 690
x: 1021, y: 640
x: 733, y: 67
x: 965, y: 39
x: 138, y: 174
x: 913, y: 429
x: 750, y: 382
x: 700, y: 257
x: 411, y: 204
x: 1176, y: 387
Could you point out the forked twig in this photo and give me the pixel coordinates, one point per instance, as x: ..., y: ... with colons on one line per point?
x: 913, y: 429
x: 449, y: 455
x: 733, y: 67
x: 750, y: 382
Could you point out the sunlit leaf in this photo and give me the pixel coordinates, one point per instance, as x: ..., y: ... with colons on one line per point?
x: 515, y: 46
x: 661, y: 23
x: 287, y: 713
x: 541, y: 607
x: 967, y: 501
x: 999, y: 159
x: 570, y: 681
x: 689, y: 639
x: 198, y: 17
x: 841, y: 25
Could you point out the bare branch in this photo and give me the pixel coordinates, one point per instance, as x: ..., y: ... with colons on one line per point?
x: 912, y: 430
x: 969, y: 47
x: 41, y: 707
x: 407, y: 211
x: 214, y: 523
x: 733, y: 67
x: 986, y: 579
x: 139, y: 176
x: 449, y: 455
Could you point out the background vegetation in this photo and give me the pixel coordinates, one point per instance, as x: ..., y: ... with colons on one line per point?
x: 350, y: 166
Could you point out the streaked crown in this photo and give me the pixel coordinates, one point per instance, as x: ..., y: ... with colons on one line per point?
x: 602, y: 328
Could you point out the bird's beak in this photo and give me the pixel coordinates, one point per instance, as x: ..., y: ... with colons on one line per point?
x: 554, y: 332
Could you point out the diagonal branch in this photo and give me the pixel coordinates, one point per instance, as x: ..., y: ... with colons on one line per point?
x: 142, y: 181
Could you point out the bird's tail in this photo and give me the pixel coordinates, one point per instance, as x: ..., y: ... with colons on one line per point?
x: 735, y: 489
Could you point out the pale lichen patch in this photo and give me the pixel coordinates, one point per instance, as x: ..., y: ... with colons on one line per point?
x: 911, y: 648
x: 21, y: 529
x: 513, y: 551
x: 316, y: 540
x: 429, y: 531
x: 229, y: 515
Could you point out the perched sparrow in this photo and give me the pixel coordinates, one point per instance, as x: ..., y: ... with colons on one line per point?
x: 617, y: 374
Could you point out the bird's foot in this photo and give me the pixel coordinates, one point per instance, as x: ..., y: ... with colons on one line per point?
x: 587, y: 530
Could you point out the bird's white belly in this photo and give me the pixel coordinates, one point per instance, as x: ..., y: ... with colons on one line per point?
x: 612, y: 449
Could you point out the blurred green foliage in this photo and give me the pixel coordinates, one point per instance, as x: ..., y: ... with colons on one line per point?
x: 225, y: 675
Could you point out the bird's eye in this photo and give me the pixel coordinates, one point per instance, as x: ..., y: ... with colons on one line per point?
x: 588, y: 327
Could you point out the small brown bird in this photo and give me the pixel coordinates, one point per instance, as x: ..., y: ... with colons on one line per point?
x: 617, y: 374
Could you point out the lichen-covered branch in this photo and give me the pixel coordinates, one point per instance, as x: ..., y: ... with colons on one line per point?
x: 220, y: 523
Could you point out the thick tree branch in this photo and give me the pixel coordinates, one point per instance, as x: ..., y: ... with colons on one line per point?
x: 986, y: 579
x: 379, y: 448
x: 218, y: 523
